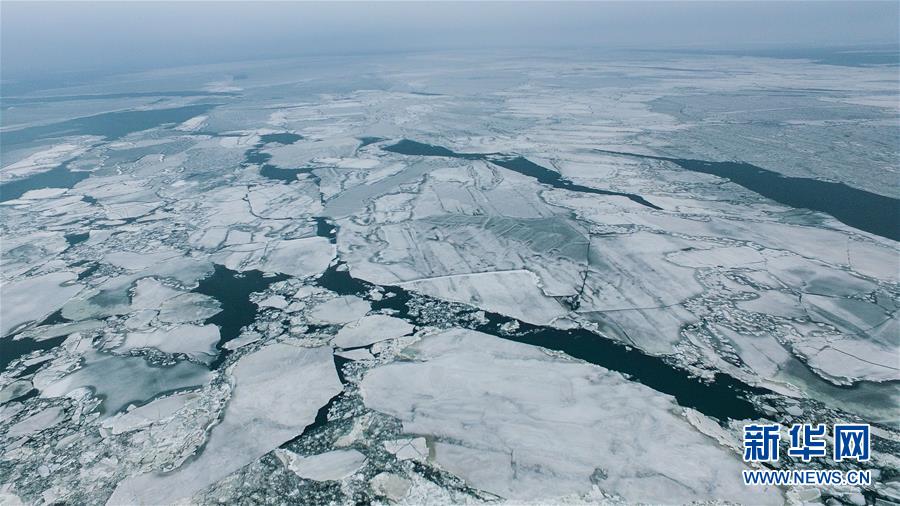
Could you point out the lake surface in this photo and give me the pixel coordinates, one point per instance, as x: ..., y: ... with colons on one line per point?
x: 866, y: 211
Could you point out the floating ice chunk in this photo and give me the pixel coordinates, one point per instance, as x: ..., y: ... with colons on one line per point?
x: 15, y: 389
x: 208, y: 238
x: 358, y: 354
x: 390, y: 485
x: 627, y: 272
x: 848, y: 315
x: 192, y: 340
x: 763, y: 354
x: 43, y: 193
x: 111, y: 297
x: 850, y: 360
x: 188, y: 307
x: 514, y: 421
x: 814, y: 277
x: 244, y: 340
x: 150, y: 293
x: 238, y: 237
x: 329, y: 466
x: 278, y: 391
x: 732, y: 256
x: 371, y: 329
x: 873, y: 260
x: 30, y: 299
x: 129, y: 210
x: 352, y: 163
x: 50, y: 331
x: 121, y: 381
x: 276, y: 301
x: 283, y: 201
x: 406, y: 449
x: 147, y: 414
x: 45, y: 160
x: 299, y: 257
x: 23, y: 252
x: 139, y: 261
x: 654, y: 330
x: 8, y: 498
x: 193, y: 124
x: 512, y: 293
x: 775, y: 303
x: 339, y: 310
x: 37, y: 422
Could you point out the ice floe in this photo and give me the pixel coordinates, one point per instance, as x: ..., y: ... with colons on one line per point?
x: 277, y: 392
x: 329, y: 466
x: 514, y: 421
x: 371, y: 329
x: 339, y: 310
x: 32, y: 298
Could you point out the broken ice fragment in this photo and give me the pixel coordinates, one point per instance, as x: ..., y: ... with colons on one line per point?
x: 328, y: 466
x: 371, y: 329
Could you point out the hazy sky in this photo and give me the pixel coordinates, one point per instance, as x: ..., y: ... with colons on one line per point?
x: 42, y: 37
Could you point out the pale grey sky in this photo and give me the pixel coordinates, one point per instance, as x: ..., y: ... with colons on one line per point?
x: 46, y: 37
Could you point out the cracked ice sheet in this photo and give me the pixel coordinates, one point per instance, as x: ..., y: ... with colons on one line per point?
x: 511, y: 420
x: 511, y: 293
x: 278, y: 391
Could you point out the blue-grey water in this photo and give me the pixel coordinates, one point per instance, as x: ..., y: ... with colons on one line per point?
x: 232, y: 289
x: 58, y: 177
x: 110, y: 125
x: 860, y: 209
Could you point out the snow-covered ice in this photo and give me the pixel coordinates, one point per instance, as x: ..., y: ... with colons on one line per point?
x: 277, y: 392
x: 32, y: 298
x: 512, y: 420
